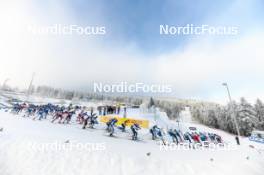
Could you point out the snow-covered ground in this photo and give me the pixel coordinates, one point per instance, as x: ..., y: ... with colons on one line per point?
x: 24, y: 150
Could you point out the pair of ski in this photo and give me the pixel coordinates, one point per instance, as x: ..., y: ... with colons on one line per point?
x: 114, y: 136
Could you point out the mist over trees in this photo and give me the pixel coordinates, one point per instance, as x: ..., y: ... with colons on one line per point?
x: 172, y: 108
x: 51, y: 92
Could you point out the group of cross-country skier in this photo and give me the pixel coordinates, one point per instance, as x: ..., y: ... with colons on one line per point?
x: 88, y: 118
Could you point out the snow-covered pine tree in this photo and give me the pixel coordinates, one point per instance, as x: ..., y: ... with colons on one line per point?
x: 222, y: 118
x: 246, y: 116
x: 151, y: 102
x: 212, y: 120
x: 259, y: 108
x: 229, y: 122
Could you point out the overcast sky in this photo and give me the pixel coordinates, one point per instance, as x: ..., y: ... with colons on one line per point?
x: 132, y: 49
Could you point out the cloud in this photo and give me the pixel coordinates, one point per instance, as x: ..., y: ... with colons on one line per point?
x: 63, y: 61
x: 74, y: 62
x: 200, y: 69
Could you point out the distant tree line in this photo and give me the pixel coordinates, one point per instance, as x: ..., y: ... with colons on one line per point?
x: 51, y: 92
